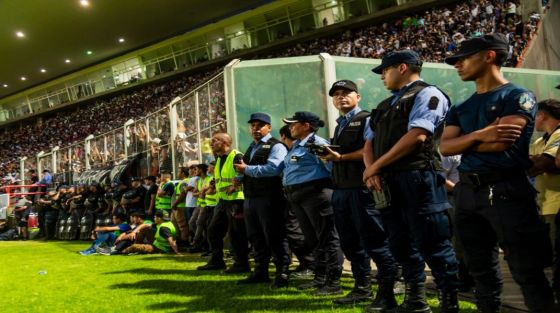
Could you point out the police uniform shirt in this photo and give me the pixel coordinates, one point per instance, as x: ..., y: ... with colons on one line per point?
x: 429, y: 109
x: 274, y: 164
x: 300, y: 165
x: 547, y: 184
x: 344, y: 120
x: 481, y: 110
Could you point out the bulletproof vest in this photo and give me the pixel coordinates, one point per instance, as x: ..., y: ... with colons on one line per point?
x: 390, y: 123
x: 262, y: 186
x: 348, y: 174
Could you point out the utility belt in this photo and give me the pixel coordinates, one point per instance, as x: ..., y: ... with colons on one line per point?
x: 318, y: 183
x: 487, y: 178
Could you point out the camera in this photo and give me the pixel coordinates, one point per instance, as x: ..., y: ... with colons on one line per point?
x: 320, y: 150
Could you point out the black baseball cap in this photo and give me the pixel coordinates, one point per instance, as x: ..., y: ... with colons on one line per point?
x: 162, y: 214
x: 262, y: 117
x: 343, y: 84
x: 304, y: 116
x: 494, y: 41
x: 558, y: 87
x: 398, y: 57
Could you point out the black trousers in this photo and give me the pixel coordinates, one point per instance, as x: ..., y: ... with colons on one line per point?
x: 312, y: 206
x: 264, y: 218
x: 504, y: 214
x: 362, y: 234
x: 228, y: 219
x: 296, y: 240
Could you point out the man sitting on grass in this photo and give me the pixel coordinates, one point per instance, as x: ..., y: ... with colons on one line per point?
x: 6, y: 232
x: 132, y: 236
x: 165, y: 236
x: 107, y: 234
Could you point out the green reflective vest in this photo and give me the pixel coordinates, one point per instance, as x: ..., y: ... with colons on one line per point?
x: 209, y: 200
x: 162, y: 243
x: 163, y: 202
x: 181, y: 204
x: 225, y: 176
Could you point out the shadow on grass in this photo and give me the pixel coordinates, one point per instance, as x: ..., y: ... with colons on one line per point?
x: 222, y: 295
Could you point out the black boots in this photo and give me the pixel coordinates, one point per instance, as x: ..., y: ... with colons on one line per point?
x: 414, y: 299
x: 319, y: 280
x: 448, y: 302
x: 384, y: 301
x: 360, y: 293
x: 332, y: 285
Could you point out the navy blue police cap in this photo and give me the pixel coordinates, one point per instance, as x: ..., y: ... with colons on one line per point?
x: 262, y: 117
x: 303, y: 117
x: 398, y: 57
x: 343, y: 84
x: 494, y: 41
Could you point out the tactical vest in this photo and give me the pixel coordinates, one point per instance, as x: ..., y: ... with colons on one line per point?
x: 262, y: 186
x: 209, y: 199
x: 163, y: 202
x: 390, y: 123
x: 224, y: 176
x: 348, y: 174
x: 160, y: 242
x: 181, y: 204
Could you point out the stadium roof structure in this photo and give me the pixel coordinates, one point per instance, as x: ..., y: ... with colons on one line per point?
x: 42, y: 40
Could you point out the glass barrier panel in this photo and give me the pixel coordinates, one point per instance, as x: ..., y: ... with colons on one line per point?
x: 186, y: 150
x: 186, y: 116
x: 285, y: 85
x: 217, y: 108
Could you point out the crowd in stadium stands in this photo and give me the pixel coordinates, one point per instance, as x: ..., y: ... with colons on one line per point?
x: 434, y: 34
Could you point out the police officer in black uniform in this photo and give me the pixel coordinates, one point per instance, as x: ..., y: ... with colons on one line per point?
x: 495, y: 202
x: 404, y: 167
x: 265, y: 202
x: 359, y: 225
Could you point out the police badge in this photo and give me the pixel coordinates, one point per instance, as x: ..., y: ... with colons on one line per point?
x: 526, y: 102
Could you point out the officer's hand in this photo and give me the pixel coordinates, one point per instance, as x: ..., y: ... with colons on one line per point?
x: 331, y: 155
x: 230, y: 190
x: 374, y: 183
x: 497, y: 132
x: 240, y: 167
x: 132, y: 235
x: 370, y: 171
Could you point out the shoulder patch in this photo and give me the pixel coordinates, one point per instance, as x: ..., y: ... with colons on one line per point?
x: 526, y: 102
x: 433, y: 103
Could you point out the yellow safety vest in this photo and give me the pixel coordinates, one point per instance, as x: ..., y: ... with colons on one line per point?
x: 224, y: 178
x: 181, y: 204
x: 163, y: 202
x: 162, y: 243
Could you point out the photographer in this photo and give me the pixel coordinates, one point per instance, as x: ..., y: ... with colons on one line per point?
x: 307, y: 185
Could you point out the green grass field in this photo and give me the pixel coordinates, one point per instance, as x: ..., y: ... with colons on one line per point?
x: 141, y: 283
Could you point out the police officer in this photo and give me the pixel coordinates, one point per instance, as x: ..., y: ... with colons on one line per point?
x: 495, y: 202
x: 265, y: 202
x: 358, y: 222
x: 308, y: 188
x: 403, y: 166
x: 296, y: 240
x: 228, y: 214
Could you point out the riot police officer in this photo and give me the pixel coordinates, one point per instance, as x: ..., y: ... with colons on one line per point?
x: 361, y: 231
x: 403, y: 165
x: 265, y: 202
x: 308, y: 188
x: 495, y: 202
